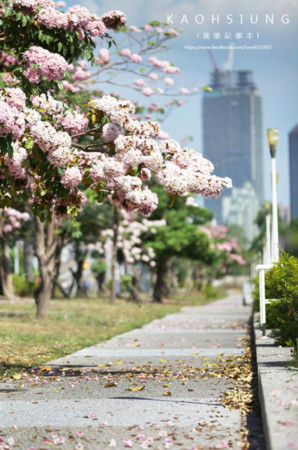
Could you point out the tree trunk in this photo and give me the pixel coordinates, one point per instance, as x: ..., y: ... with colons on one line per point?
x: 46, y: 241
x: 135, y: 295
x: 189, y: 282
x: 114, y: 256
x: 63, y: 291
x: 5, y: 264
x: 172, y: 284
x: 28, y: 257
x: 80, y: 257
x: 58, y: 253
x: 78, y: 277
x: 100, y: 279
x: 159, y: 283
x: 198, y: 277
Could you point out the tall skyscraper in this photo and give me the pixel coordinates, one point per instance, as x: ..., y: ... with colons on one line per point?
x: 293, y: 160
x: 232, y: 132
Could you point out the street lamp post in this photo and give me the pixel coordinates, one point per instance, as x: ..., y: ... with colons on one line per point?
x: 267, y: 246
x: 272, y: 135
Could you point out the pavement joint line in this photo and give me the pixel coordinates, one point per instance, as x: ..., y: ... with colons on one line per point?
x: 189, y: 331
x: 122, y: 353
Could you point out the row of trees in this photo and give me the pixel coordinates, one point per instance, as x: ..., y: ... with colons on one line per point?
x: 171, y: 235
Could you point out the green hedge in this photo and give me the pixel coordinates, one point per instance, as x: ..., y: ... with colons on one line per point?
x: 22, y: 287
x: 282, y: 313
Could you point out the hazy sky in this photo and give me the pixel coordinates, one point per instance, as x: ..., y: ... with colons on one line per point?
x: 275, y: 70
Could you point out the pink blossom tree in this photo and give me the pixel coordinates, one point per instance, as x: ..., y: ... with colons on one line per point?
x: 51, y: 151
x: 225, y: 253
x: 126, y: 239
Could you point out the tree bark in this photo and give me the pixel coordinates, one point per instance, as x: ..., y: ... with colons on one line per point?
x: 5, y: 264
x: 77, y: 275
x: 158, y: 291
x: 63, y: 291
x: 58, y: 253
x: 114, y: 256
x: 172, y: 284
x: 46, y: 242
x: 100, y: 280
x: 189, y: 281
x: 198, y: 277
x: 28, y: 256
x: 135, y: 295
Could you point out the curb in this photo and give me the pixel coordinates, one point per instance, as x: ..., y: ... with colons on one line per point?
x: 278, y: 387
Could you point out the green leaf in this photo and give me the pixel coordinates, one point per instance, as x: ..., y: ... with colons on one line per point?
x: 5, y: 146
x: 154, y: 23
x: 29, y: 144
x: 207, y: 89
x: 100, y: 197
x: 40, y: 36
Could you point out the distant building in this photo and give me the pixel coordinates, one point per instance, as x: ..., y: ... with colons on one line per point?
x: 232, y: 132
x: 241, y: 208
x: 293, y: 159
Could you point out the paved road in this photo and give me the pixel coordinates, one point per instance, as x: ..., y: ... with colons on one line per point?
x: 149, y: 388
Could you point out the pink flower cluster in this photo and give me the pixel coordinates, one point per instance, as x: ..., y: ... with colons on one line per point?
x: 238, y: 259
x: 14, y: 163
x: 71, y: 178
x: 179, y: 170
x: 215, y: 231
x: 77, y: 18
x: 8, y: 60
x: 104, y: 57
x: 130, y: 152
x: 75, y: 122
x: 134, y: 57
x: 166, y: 66
x: 12, y: 100
x: 59, y: 114
x: 13, y: 219
x: 80, y: 19
x: 33, y: 4
x: 80, y: 73
x: 118, y: 111
x: 110, y: 132
x: 220, y: 243
x: 185, y: 170
x: 39, y: 62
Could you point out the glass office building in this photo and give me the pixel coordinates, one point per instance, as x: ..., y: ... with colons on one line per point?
x: 232, y: 132
x: 293, y: 144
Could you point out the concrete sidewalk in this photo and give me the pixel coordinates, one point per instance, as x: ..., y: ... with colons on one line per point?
x: 156, y: 387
